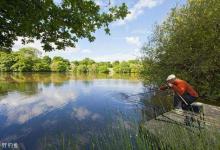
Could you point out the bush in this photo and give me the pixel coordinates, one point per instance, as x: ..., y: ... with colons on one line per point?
x: 59, y: 66
x: 103, y: 69
x: 23, y: 65
x: 41, y: 67
x: 82, y: 69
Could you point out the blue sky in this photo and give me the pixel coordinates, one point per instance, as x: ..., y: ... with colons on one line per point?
x: 127, y: 36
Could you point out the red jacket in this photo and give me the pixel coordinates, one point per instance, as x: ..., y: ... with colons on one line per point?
x: 181, y: 86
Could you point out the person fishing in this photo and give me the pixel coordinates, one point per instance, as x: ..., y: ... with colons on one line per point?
x: 184, y: 92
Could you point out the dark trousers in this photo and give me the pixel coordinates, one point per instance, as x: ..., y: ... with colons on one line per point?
x: 178, y: 102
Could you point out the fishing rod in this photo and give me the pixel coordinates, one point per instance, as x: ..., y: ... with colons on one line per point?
x: 151, y: 91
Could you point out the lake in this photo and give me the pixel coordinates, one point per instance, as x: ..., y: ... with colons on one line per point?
x: 41, y: 109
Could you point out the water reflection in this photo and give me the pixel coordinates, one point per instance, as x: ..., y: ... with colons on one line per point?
x: 82, y: 113
x: 34, y: 106
x: 19, y: 108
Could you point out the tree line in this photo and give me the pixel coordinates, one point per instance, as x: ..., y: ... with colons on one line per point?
x: 29, y: 60
x: 187, y: 44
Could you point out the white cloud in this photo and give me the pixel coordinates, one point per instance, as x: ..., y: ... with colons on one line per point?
x: 144, y: 32
x: 133, y: 40
x: 86, y: 51
x: 117, y: 56
x: 104, y: 3
x: 138, y: 9
x: 137, y: 50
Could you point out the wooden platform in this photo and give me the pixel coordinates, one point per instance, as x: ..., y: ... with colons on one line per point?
x: 184, y: 127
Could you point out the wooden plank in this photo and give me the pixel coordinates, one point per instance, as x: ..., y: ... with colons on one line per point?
x: 171, y: 127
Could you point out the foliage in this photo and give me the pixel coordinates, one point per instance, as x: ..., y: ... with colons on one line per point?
x: 29, y: 52
x: 82, y: 68
x: 22, y: 65
x: 93, y: 68
x: 187, y: 44
x: 29, y: 59
x: 115, y: 63
x: 103, y: 69
x: 25, y: 60
x: 47, y: 60
x: 59, y: 64
x: 6, y: 61
x: 87, y: 61
x: 125, y: 68
x: 131, y: 66
x: 41, y: 66
x: 135, y: 68
x: 56, y: 25
x: 116, y: 68
x: 90, y: 66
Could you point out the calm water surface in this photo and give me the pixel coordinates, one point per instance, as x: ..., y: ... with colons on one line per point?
x: 35, y: 107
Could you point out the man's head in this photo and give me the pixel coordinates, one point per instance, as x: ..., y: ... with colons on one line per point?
x: 171, y: 78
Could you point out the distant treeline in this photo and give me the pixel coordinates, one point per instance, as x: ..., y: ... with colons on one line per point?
x: 187, y: 44
x: 28, y: 60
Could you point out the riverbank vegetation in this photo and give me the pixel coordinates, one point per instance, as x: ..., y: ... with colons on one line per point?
x: 29, y: 60
x: 187, y: 44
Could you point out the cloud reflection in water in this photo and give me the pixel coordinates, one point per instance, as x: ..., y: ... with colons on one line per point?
x: 19, y: 108
x: 82, y: 113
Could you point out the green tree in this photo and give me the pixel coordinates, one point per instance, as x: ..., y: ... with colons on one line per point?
x: 103, y: 69
x: 76, y: 63
x: 187, y: 44
x: 47, y: 60
x: 115, y: 63
x: 73, y: 67
x: 124, y: 67
x: 135, y: 68
x: 25, y: 59
x: 117, y: 68
x: 60, y: 25
x: 23, y: 65
x: 58, y: 58
x: 59, y: 66
x: 82, y: 68
x: 29, y: 52
x: 6, y: 61
x: 40, y: 65
x: 93, y: 68
x: 87, y: 61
